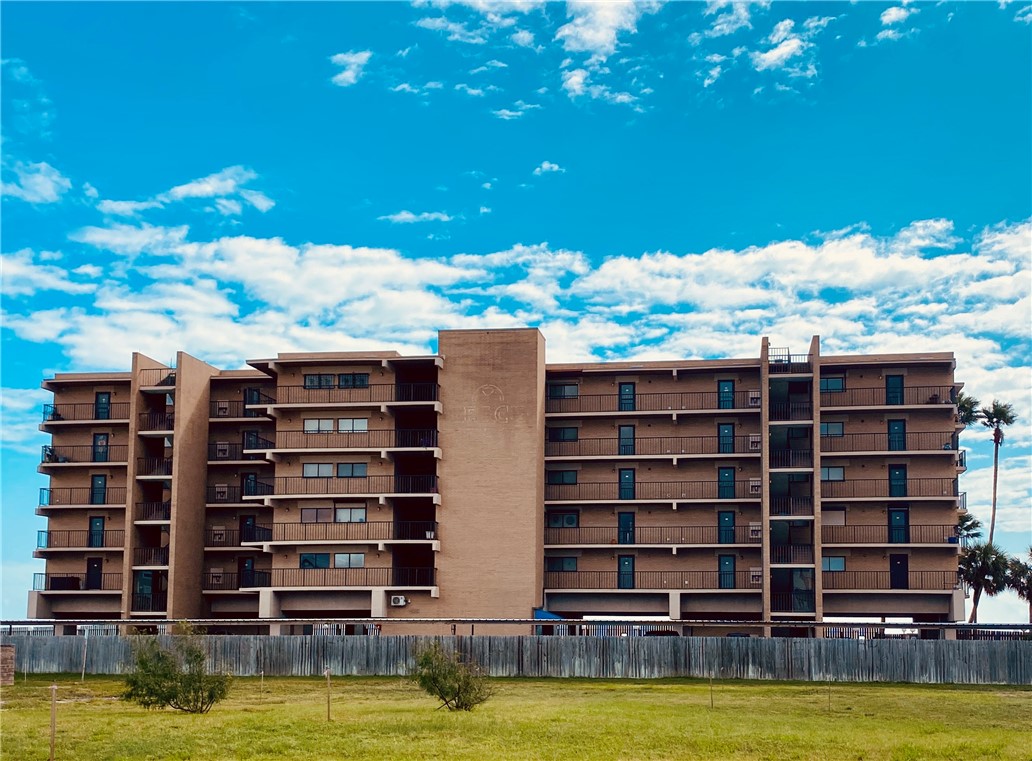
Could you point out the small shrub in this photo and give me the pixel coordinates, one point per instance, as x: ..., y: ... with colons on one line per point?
x: 458, y: 684
x: 174, y: 678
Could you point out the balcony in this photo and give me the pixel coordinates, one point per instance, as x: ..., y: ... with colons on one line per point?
x: 662, y: 446
x: 77, y: 582
x: 863, y: 581
x: 783, y: 362
x: 941, y: 488
x: 376, y: 440
x: 791, y: 458
x: 791, y: 554
x: 80, y: 540
x: 884, y: 534
x: 82, y: 496
x: 86, y: 454
x: 886, y: 442
x: 223, y: 451
x: 654, y: 580
x: 153, y: 511
x: 153, y: 466
x: 665, y: 402
x: 116, y: 412
x: 155, y: 377
x: 370, y: 486
x: 156, y: 421
x: 345, y: 577
x: 149, y: 603
x: 373, y: 394
x: 228, y: 409
x: 226, y: 495
x: 880, y: 397
x: 661, y: 491
x: 801, y: 601
x: 791, y: 506
x: 962, y: 460
x: 150, y: 556
x: 372, y: 531
x: 782, y: 411
x: 654, y: 535
x: 232, y: 582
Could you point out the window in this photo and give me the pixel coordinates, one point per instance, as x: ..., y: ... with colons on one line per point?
x: 317, y: 470
x: 833, y: 383
x: 833, y: 563
x: 318, y: 425
x: 561, y: 476
x: 350, y: 514
x: 316, y: 514
x: 562, y: 434
x: 314, y: 560
x: 833, y: 429
x: 348, y: 560
x: 351, y: 470
x: 353, y: 425
x: 353, y: 380
x: 563, y: 520
x: 833, y: 474
x: 320, y: 380
x: 560, y: 564
x: 563, y: 390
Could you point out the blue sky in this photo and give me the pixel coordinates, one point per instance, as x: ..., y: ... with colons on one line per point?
x: 639, y: 180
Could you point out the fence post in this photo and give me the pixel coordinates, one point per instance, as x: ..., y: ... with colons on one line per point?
x: 53, y: 719
x: 327, y: 672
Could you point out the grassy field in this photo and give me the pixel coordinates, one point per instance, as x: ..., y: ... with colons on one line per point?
x: 387, y: 718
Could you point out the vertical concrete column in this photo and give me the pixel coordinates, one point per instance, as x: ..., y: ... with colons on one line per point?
x: 818, y: 576
x: 765, y: 475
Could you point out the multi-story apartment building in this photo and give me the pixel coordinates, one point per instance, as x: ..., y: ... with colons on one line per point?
x: 481, y: 482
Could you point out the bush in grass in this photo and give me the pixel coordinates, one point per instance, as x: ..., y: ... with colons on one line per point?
x: 174, y: 677
x: 459, y: 685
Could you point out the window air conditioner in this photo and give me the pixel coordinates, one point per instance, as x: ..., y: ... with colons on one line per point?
x: 755, y: 486
x: 222, y: 408
x: 222, y: 450
x: 216, y: 577
x: 221, y: 492
x: 754, y: 442
x: 398, y: 601
x: 218, y: 535
x: 755, y: 531
x: 755, y: 575
x: 754, y: 397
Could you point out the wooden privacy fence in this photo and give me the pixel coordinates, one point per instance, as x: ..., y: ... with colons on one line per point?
x: 835, y: 660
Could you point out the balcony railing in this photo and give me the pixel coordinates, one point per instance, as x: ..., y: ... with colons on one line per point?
x: 372, y: 531
x: 113, y: 453
x: 674, y: 401
x: 75, y: 582
x: 53, y: 540
x: 781, y: 362
x: 154, y: 466
x: 115, y: 412
x: 657, y: 490
x: 684, y: 580
x: 158, y: 376
x: 882, y: 397
x: 156, y: 421
x: 157, y: 556
x: 291, y: 485
x: 888, y: 442
x: 231, y: 451
x: 884, y: 487
x: 347, y: 577
x: 791, y: 553
x: 153, y: 511
x: 376, y: 393
x: 791, y: 458
x: 228, y: 582
x: 884, y: 534
x: 654, y: 445
x: 382, y: 439
x: 82, y: 495
x: 791, y: 411
x: 654, y: 535
x: 150, y: 603
x: 221, y: 537
x: 231, y: 408
x: 782, y: 506
x: 228, y: 495
x: 792, y: 602
x: 930, y: 580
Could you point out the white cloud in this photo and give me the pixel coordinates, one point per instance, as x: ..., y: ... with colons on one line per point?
x: 407, y: 87
x: 354, y: 63
x: 126, y: 208
x: 778, y: 56
x: 474, y: 91
x: 222, y: 186
x: 731, y: 17
x: 485, y: 209
x: 595, y: 27
x: 131, y: 240
x: 20, y: 275
x: 712, y: 76
x: 782, y: 31
x: 36, y: 183
x: 258, y: 200
x: 896, y: 15
x: 223, y: 183
x: 456, y: 31
x: 406, y: 217
x: 89, y: 191
x: 578, y: 82
x: 547, y: 167
x: 492, y: 64
x: 523, y: 38
x: 228, y: 207
x: 1024, y: 15
x: 518, y: 110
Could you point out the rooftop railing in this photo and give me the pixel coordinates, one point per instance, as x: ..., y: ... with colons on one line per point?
x: 158, y: 376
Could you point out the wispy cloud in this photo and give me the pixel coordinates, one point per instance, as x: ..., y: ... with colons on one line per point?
x: 518, y: 110
x: 353, y: 63
x: 406, y: 217
x: 226, y: 187
x: 547, y: 167
x: 36, y: 183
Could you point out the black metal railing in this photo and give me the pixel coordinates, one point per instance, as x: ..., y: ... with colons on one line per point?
x: 371, y: 531
x: 149, y: 603
x: 801, y: 601
x: 82, y: 495
x: 224, y: 450
x: 888, y: 442
x: 375, y: 439
x: 782, y: 506
x: 375, y: 393
x: 791, y: 458
x: 351, y: 577
x: 52, y: 540
x: 882, y: 397
x: 887, y: 487
x: 117, y: 412
x: 791, y: 553
x: 781, y: 362
x: 884, y: 534
x: 665, y: 535
x: 654, y: 445
x: 931, y: 580
x: 228, y: 582
x: 85, y: 453
x: 153, y: 511
x: 290, y: 485
x: 158, y: 376
x: 76, y: 582
x: 226, y: 494
x: 791, y: 411
x: 685, y: 580
x: 154, y: 466
x: 156, y: 421
x: 221, y: 537
x: 672, y: 401
x: 233, y: 408
x: 157, y: 556
x: 658, y: 490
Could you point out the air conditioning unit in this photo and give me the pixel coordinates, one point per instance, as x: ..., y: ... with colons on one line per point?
x: 755, y: 486
x: 398, y: 601
x: 215, y: 575
x: 755, y: 575
x: 222, y: 408
x: 222, y: 492
x: 755, y: 531
x: 754, y: 397
x: 754, y: 442
x: 222, y: 450
x: 218, y: 535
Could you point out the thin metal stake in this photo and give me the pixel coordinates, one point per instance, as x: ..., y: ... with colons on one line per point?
x: 829, y: 696
x: 261, y: 689
x: 711, y: 692
x: 327, y: 693
x: 53, y: 719
x: 85, y: 645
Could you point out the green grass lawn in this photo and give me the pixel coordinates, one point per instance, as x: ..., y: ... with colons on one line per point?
x: 388, y: 718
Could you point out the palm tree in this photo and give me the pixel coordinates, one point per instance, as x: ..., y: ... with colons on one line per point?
x: 968, y: 527
x: 994, y: 417
x: 1020, y: 579
x: 986, y: 569
x: 967, y: 409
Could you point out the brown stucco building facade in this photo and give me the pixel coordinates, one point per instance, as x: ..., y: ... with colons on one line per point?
x: 482, y: 482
